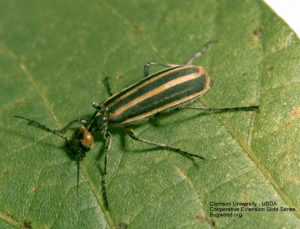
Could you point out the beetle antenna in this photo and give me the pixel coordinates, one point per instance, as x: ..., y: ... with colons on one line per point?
x: 46, y: 128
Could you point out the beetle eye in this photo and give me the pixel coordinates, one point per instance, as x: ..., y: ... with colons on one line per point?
x: 83, y: 145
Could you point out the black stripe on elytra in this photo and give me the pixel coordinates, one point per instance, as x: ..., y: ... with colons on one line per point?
x: 153, y: 85
x: 170, y: 95
x: 119, y: 94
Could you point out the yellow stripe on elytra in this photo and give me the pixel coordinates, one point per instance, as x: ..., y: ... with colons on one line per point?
x: 143, y: 85
x: 155, y: 91
x: 169, y: 105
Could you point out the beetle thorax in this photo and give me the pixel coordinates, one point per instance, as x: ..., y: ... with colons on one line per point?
x: 99, y: 122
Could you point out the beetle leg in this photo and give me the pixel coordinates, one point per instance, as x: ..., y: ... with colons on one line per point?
x: 106, y: 82
x: 198, y: 54
x: 147, y: 66
x: 221, y: 109
x: 107, y: 137
x: 63, y: 130
x: 129, y: 131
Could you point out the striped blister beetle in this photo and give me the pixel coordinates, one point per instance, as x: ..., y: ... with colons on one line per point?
x: 169, y: 89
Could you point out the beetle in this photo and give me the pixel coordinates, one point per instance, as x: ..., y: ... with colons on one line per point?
x: 163, y: 91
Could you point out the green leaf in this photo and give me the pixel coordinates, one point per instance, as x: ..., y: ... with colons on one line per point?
x: 54, y: 57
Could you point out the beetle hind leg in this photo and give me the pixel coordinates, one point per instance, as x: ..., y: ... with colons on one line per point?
x: 208, y: 109
x: 147, y: 67
x: 198, y: 54
x: 129, y: 131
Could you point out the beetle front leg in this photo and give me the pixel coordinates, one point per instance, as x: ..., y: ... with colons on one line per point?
x: 129, y: 131
x: 64, y: 130
x: 107, y: 137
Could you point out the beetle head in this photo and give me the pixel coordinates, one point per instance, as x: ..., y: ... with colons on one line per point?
x: 82, y: 141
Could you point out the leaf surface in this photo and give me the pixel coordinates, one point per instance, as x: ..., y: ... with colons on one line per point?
x: 54, y: 58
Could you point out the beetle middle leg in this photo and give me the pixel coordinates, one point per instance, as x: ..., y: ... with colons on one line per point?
x: 106, y: 82
x: 129, y: 131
